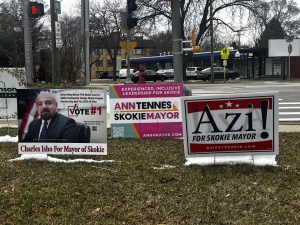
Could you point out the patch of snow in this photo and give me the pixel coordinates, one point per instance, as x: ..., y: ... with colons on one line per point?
x: 45, y: 157
x: 8, y: 138
x: 162, y: 167
x: 257, y: 160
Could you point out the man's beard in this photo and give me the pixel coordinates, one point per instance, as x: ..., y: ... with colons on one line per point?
x: 46, y: 114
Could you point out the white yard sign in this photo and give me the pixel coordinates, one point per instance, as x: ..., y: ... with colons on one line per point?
x: 62, y: 121
x: 232, y: 125
x: 10, y: 80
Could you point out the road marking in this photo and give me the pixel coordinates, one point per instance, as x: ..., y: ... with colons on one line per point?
x: 291, y: 107
x: 289, y: 113
x: 209, y: 92
x: 289, y: 119
x: 289, y: 103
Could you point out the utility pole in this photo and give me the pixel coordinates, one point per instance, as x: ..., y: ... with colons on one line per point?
x: 212, y: 56
x: 28, y: 44
x: 239, y: 35
x: 82, y: 52
x: 131, y: 22
x: 128, y: 40
x: 55, y: 50
x: 87, y: 41
x: 85, y: 32
x: 176, y: 38
x: 290, y: 49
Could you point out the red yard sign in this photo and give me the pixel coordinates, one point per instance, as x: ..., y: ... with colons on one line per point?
x: 235, y: 124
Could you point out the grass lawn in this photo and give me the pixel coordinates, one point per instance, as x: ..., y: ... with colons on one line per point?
x: 131, y: 191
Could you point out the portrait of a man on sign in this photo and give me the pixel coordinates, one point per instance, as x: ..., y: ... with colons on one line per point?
x: 58, y: 121
x: 49, y: 125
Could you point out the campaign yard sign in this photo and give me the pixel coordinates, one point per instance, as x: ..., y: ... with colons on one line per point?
x: 10, y: 80
x: 146, y: 110
x: 237, y: 124
x: 62, y: 121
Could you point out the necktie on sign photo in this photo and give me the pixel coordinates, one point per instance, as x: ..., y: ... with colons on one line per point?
x: 44, y: 131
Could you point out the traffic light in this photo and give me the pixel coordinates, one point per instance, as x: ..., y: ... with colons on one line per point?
x: 131, y: 22
x: 131, y: 6
x: 193, y: 37
x: 196, y: 48
x: 36, y: 9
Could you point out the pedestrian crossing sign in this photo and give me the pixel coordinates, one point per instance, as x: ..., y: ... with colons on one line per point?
x: 225, y: 53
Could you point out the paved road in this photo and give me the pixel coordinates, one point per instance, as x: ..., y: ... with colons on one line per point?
x: 289, y: 94
x: 289, y: 97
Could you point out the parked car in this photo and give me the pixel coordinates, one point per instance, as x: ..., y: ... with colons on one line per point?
x: 192, y: 72
x: 102, y: 75
x: 218, y: 74
x: 169, y: 73
x: 150, y: 75
x: 123, y: 73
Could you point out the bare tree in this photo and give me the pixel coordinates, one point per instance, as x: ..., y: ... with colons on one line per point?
x: 286, y: 12
x: 106, y: 30
x: 72, y: 43
x: 194, y: 13
x: 229, y: 16
x: 12, y: 34
x: 161, y: 43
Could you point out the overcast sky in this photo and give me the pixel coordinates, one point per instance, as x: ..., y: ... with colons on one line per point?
x: 67, y: 4
x: 68, y: 7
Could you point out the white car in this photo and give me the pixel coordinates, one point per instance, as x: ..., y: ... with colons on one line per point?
x: 169, y: 73
x: 123, y: 73
x: 192, y: 72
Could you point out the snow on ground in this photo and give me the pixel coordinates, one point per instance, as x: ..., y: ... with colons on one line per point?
x: 257, y: 160
x: 8, y: 138
x: 45, y: 157
x: 217, y: 160
x: 162, y: 167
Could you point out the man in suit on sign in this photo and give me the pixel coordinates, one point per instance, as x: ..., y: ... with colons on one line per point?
x: 51, y: 126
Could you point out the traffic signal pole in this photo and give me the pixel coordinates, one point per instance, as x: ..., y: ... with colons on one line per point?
x: 212, y: 56
x: 130, y: 22
x: 87, y: 41
x: 28, y: 44
x: 85, y: 34
x: 55, y: 50
x: 176, y: 37
x: 128, y: 55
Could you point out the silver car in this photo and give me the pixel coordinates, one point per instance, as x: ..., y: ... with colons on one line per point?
x: 192, y: 72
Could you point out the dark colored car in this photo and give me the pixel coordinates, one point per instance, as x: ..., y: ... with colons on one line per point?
x: 102, y: 75
x: 218, y: 74
x: 150, y: 75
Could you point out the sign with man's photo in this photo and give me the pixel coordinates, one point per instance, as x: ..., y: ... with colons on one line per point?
x: 62, y: 121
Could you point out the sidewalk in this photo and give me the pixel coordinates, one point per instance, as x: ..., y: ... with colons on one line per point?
x: 13, y: 123
x: 289, y: 128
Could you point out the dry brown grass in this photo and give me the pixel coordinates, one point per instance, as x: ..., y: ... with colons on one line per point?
x: 131, y: 191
